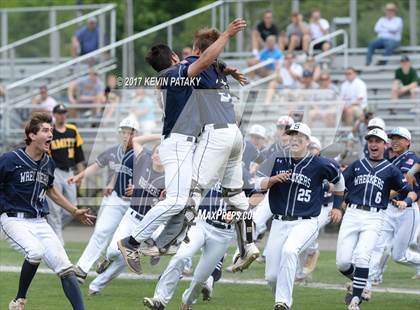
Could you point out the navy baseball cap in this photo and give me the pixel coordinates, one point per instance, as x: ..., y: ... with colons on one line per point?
x: 60, y: 108
x: 307, y: 73
x: 405, y: 58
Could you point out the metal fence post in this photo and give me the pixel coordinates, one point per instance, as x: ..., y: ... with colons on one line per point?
x: 101, y: 24
x: 113, y: 29
x: 240, y: 35
x: 413, y: 22
x: 4, y: 29
x: 170, y: 36
x: 54, y: 38
x: 353, y: 24
x: 213, y: 18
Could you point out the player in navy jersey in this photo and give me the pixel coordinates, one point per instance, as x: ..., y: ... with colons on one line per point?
x: 368, y: 185
x: 145, y: 191
x: 400, y: 220
x: 296, y: 188
x: 26, y: 178
x: 282, y: 139
x: 119, y: 159
x: 181, y: 125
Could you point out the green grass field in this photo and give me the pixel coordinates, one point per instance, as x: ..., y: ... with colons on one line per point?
x: 45, y: 292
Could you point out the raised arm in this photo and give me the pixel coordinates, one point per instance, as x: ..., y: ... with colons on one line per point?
x: 139, y: 141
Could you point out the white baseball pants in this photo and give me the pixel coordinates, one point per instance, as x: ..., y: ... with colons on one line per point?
x: 262, y: 214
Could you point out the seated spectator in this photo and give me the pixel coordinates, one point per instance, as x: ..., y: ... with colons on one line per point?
x: 258, y: 136
x: 325, y: 110
x: 388, y: 29
x: 319, y: 27
x: 269, y: 52
x: 405, y: 81
x: 308, y: 82
x: 144, y: 111
x: 288, y: 77
x: 186, y: 51
x: 297, y: 35
x: 328, y: 90
x: 86, y: 39
x: 311, y: 65
x: 264, y: 29
x: 43, y: 102
x: 354, y: 93
x: 88, y: 89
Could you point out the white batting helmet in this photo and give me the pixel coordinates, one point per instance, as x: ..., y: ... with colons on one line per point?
x: 129, y: 122
x: 285, y: 121
x: 401, y: 132
x: 300, y: 127
x: 376, y: 122
x: 258, y: 130
x: 315, y: 143
x: 377, y: 132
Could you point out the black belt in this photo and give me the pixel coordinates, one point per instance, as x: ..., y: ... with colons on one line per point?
x: 137, y: 215
x: 220, y: 126
x: 362, y: 207
x: 219, y: 225
x: 64, y: 169
x: 24, y: 215
x: 290, y: 217
x: 187, y: 138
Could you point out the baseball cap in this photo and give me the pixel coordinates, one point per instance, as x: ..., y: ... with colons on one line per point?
x: 92, y: 19
x: 376, y: 122
x: 300, y: 127
x: 315, y: 143
x: 129, y: 122
x: 307, y: 73
x: 258, y: 130
x: 377, y: 132
x: 60, y: 108
x: 401, y: 132
x: 404, y: 58
x: 285, y: 120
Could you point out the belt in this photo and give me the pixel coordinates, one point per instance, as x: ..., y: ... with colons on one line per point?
x: 290, y: 217
x: 219, y: 126
x: 136, y: 215
x: 187, y: 138
x: 23, y: 215
x: 64, y: 169
x: 219, y: 225
x: 362, y: 207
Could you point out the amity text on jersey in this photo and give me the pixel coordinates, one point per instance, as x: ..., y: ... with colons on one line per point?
x: 160, y: 82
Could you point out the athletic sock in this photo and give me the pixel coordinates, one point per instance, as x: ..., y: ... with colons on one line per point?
x: 72, y: 290
x: 133, y: 241
x: 217, y: 272
x: 349, y: 272
x: 359, y: 281
x: 27, y: 273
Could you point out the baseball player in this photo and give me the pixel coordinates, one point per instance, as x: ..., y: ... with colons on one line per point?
x: 368, y: 183
x: 67, y: 153
x: 148, y: 183
x: 181, y: 126
x: 26, y: 178
x: 119, y: 159
x: 296, y: 186
x: 375, y: 122
x: 401, y: 219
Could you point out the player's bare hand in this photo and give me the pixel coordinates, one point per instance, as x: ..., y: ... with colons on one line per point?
x: 411, y: 179
x: 239, y: 76
x: 129, y: 190
x: 279, y: 178
x: 162, y: 195
x: 336, y: 215
x: 76, y: 179
x: 234, y: 27
x: 83, y: 216
x: 108, y: 191
x: 401, y: 204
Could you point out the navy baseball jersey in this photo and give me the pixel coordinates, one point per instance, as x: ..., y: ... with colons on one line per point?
x: 24, y: 182
x: 404, y: 162
x: 124, y: 173
x: 251, y: 155
x: 180, y: 115
x: 148, y: 183
x: 368, y: 182
x: 111, y: 158
x: 275, y: 148
x: 302, y: 194
x: 327, y: 196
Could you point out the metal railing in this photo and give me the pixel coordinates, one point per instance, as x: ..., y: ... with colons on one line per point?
x: 328, y: 37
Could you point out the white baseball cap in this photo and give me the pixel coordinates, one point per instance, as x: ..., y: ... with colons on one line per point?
x: 377, y: 132
x: 258, y: 130
x: 400, y: 131
x: 129, y: 122
x: 376, y: 122
x: 315, y: 143
x: 300, y: 127
x: 285, y: 121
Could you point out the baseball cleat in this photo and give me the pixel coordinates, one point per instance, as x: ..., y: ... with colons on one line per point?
x: 310, y: 264
x: 281, y: 306
x: 18, y: 304
x: 235, y: 258
x: 80, y: 274
x: 153, y: 303
x: 349, y: 295
x: 354, y: 304
x: 261, y: 259
x: 377, y: 281
x: 366, y: 294
x: 185, y: 307
x: 155, y: 251
x: 154, y: 260
x: 251, y: 254
x: 131, y: 255
x: 93, y: 293
x: 102, y: 266
x: 207, y: 289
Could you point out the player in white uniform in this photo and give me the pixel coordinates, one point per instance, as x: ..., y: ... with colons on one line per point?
x: 114, y: 204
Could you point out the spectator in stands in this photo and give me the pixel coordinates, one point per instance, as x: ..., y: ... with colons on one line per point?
x: 405, y: 81
x: 264, y: 29
x: 111, y: 97
x: 388, y: 29
x: 354, y: 93
x: 86, y: 39
x: 311, y: 65
x: 319, y: 27
x: 288, y: 76
x: 269, y: 52
x: 145, y: 111
x: 326, y: 111
x: 43, y: 102
x: 186, y: 51
x: 297, y: 36
x: 258, y: 136
x: 308, y: 82
x: 88, y: 89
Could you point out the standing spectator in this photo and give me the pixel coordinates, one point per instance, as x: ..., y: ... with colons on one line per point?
x: 389, y: 29
x: 258, y: 136
x: 87, y: 90
x: 86, y: 39
x: 319, y: 27
x: 145, y: 111
x: 354, y: 93
x: 43, y: 102
x: 264, y: 29
x: 66, y: 150
x: 311, y: 65
x: 186, y: 51
x: 297, y: 35
x: 269, y: 52
x: 405, y: 81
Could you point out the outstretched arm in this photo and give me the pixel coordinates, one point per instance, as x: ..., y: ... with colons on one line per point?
x: 139, y: 141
